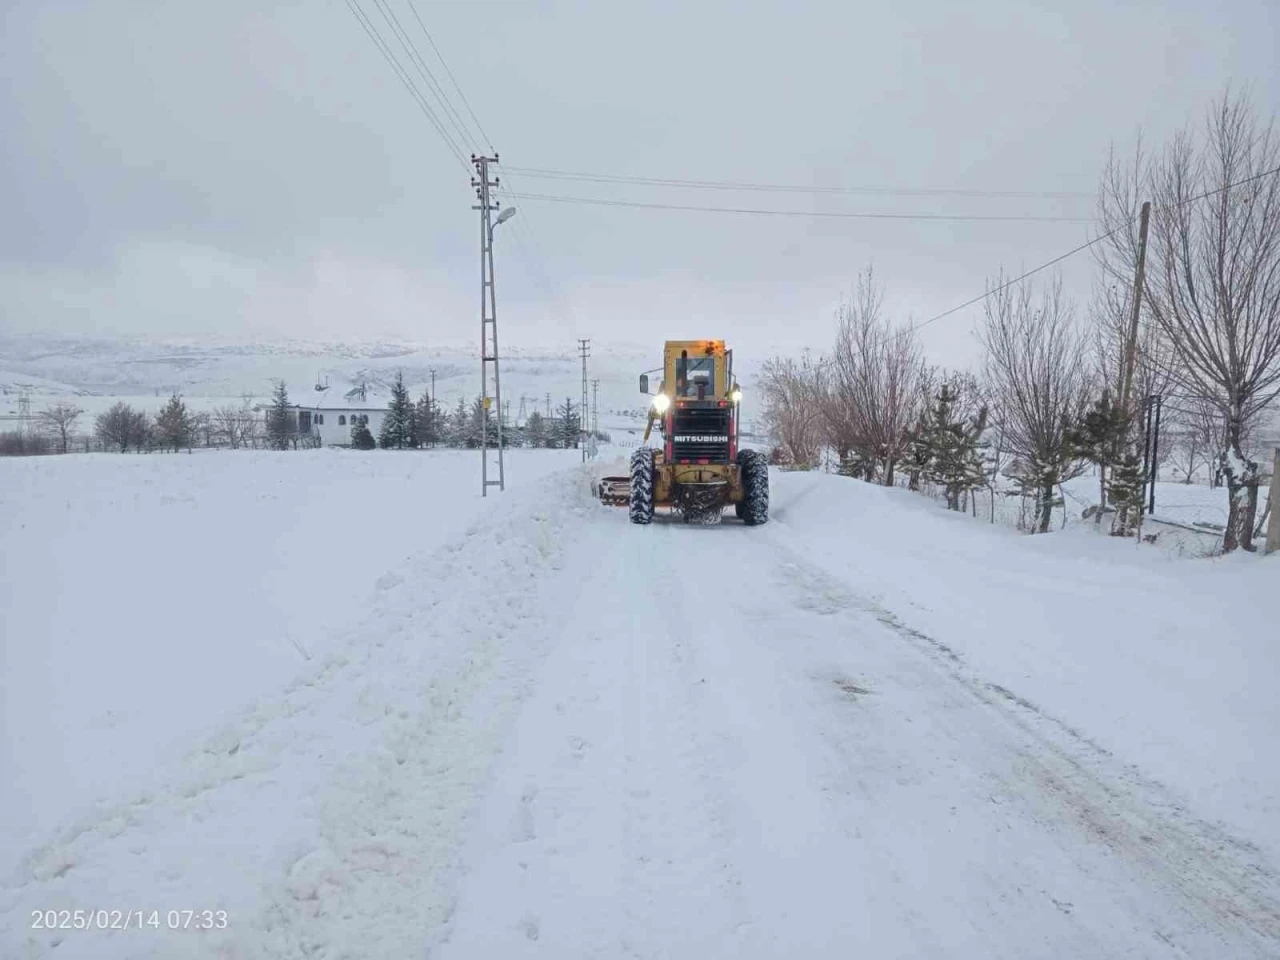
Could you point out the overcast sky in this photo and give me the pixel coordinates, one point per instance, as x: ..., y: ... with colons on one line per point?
x: 250, y: 168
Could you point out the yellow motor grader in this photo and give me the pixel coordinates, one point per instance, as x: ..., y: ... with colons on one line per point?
x: 698, y: 470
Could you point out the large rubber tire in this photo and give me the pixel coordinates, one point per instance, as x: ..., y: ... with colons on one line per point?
x: 641, y: 507
x: 754, y: 508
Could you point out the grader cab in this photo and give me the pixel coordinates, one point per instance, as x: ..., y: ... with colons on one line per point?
x: 697, y: 470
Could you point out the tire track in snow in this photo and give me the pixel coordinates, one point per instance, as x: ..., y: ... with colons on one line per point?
x: 629, y: 854
x: 1216, y: 888
x: 683, y: 838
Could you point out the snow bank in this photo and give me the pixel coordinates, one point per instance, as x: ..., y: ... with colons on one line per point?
x: 144, y: 598
x: 1172, y: 665
x: 323, y: 818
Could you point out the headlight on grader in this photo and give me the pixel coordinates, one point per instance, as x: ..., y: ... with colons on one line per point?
x: 736, y: 395
x: 661, y: 402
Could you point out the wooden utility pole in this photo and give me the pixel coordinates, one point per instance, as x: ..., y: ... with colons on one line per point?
x: 1120, y: 526
x: 1139, y: 277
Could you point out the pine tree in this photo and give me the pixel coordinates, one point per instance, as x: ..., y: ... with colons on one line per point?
x: 954, y: 448
x: 919, y: 452
x: 174, y: 425
x: 459, y: 424
x: 361, y: 436
x: 567, y: 435
x: 535, y: 430
x: 475, y: 425
x: 279, y: 419
x: 1124, y: 489
x: 427, y: 422
x: 946, y: 449
x: 398, y: 428
x: 1098, y: 438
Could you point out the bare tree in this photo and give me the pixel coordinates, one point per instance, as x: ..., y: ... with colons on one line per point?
x: 878, y: 372
x: 1036, y: 371
x: 791, y: 396
x: 237, y: 425
x: 1213, y: 282
x: 123, y: 427
x: 59, y: 420
x: 202, y: 427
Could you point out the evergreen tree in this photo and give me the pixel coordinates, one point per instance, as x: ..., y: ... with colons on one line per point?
x: 1124, y: 489
x: 361, y: 436
x: 174, y: 425
x: 568, y: 426
x: 279, y: 419
x: 948, y: 448
x: 398, y: 426
x: 919, y: 452
x: 1098, y: 438
x: 535, y: 430
x: 427, y: 422
x: 945, y: 448
x: 475, y: 425
x: 459, y: 424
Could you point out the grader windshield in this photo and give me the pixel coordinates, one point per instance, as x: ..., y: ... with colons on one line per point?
x: 696, y: 377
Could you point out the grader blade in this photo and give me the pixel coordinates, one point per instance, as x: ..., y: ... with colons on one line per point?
x: 614, y: 491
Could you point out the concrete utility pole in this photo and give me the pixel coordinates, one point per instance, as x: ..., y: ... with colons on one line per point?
x: 595, y: 409
x: 584, y: 347
x: 548, y: 407
x: 488, y: 320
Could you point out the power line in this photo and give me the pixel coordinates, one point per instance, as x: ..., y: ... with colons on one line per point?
x: 1085, y: 246
x: 785, y: 188
x: 424, y: 71
x: 405, y: 79
x: 465, y: 102
x: 533, y: 257
x: 1044, y: 266
x: 1229, y: 186
x: 799, y: 213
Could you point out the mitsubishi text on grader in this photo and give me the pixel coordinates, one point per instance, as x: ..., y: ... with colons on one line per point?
x: 699, y: 469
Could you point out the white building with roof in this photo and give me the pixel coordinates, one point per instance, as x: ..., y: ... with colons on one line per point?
x: 330, y: 419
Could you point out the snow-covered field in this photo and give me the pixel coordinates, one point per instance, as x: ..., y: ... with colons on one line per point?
x: 531, y: 729
x: 142, y: 599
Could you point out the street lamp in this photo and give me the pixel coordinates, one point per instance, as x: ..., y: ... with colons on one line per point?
x: 503, y: 217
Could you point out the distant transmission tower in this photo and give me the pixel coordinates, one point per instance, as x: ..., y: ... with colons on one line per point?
x: 523, y: 415
x: 24, y: 412
x: 584, y: 348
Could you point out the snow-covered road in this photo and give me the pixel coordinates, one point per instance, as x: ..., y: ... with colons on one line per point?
x: 729, y: 752
x: 565, y: 736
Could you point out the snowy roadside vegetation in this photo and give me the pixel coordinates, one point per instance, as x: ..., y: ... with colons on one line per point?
x: 1063, y: 401
x: 64, y: 426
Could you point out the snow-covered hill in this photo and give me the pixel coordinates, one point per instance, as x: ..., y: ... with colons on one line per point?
x: 528, y: 728
x: 96, y: 371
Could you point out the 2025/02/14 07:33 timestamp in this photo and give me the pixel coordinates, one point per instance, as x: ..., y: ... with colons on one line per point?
x: 129, y: 919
